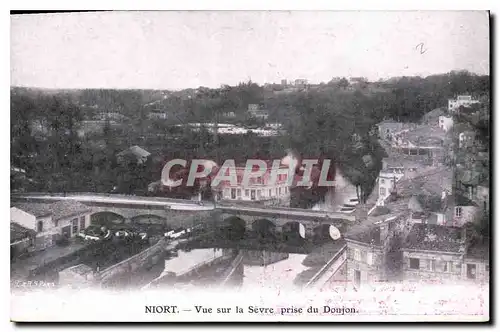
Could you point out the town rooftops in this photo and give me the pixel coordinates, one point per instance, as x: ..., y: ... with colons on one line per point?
x: 427, y: 237
x: 425, y: 135
x: 18, y: 232
x: 431, y: 182
x: 57, y: 210
x: 136, y: 151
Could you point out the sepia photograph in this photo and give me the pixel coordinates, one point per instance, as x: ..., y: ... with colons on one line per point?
x: 250, y: 166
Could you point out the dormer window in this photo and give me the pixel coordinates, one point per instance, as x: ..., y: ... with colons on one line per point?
x: 458, y: 211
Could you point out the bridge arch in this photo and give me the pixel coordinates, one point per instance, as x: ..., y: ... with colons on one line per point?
x: 106, y: 217
x: 326, y: 232
x: 236, y: 227
x: 294, y: 230
x: 264, y: 228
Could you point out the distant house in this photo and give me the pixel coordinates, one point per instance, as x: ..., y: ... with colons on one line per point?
x: 114, y: 116
x: 157, y: 115
x: 387, y: 128
x: 134, y: 152
x: 229, y: 114
x: 445, y: 122
x: 301, y: 83
x: 466, y: 139
x: 49, y: 222
x: 432, y: 118
x: 256, y: 112
x: 89, y: 127
x: 463, y: 100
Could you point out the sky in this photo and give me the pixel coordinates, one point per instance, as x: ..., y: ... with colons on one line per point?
x: 176, y: 50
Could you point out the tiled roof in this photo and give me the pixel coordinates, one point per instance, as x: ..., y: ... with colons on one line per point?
x: 58, y: 210
x: 369, y: 234
x: 36, y: 209
x: 431, y: 182
x: 434, y: 238
x: 18, y: 232
x: 63, y: 209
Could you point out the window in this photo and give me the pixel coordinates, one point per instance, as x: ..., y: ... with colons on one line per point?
x: 369, y: 258
x: 357, y: 255
x: 276, y: 191
x: 431, y: 265
x: 252, y: 195
x: 39, y: 226
x: 233, y: 193
x: 382, y: 181
x: 56, y: 223
x: 239, y: 192
x: 382, y: 191
x: 414, y: 263
x: 279, y: 191
x: 458, y: 211
x: 270, y: 192
x: 82, y: 223
x: 471, y: 271
x: 74, y: 223
x: 247, y: 192
x: 447, y: 267
x: 258, y: 194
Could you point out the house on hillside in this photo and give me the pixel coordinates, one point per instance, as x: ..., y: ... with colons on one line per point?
x: 423, y: 140
x: 463, y: 100
x: 157, y: 115
x: 432, y: 118
x: 46, y: 223
x: 445, y: 122
x: 255, y: 111
x: 134, y: 153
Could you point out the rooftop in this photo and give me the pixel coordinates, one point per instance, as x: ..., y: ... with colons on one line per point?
x: 58, y: 210
x: 426, y: 135
x: 36, y: 209
x: 135, y: 150
x: 427, y: 237
x: 431, y: 182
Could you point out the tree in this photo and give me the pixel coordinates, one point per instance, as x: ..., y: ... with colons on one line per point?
x: 343, y: 83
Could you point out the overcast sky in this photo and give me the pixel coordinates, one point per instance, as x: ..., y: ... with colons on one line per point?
x: 175, y: 50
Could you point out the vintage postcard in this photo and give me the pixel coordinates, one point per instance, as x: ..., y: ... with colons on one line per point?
x: 184, y: 166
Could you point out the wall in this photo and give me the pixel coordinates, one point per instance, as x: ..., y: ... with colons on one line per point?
x: 423, y: 274
x: 64, y: 222
x: 445, y: 122
x: 142, y: 259
x: 370, y: 273
x: 468, y: 215
x: 22, y: 218
x: 482, y: 275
